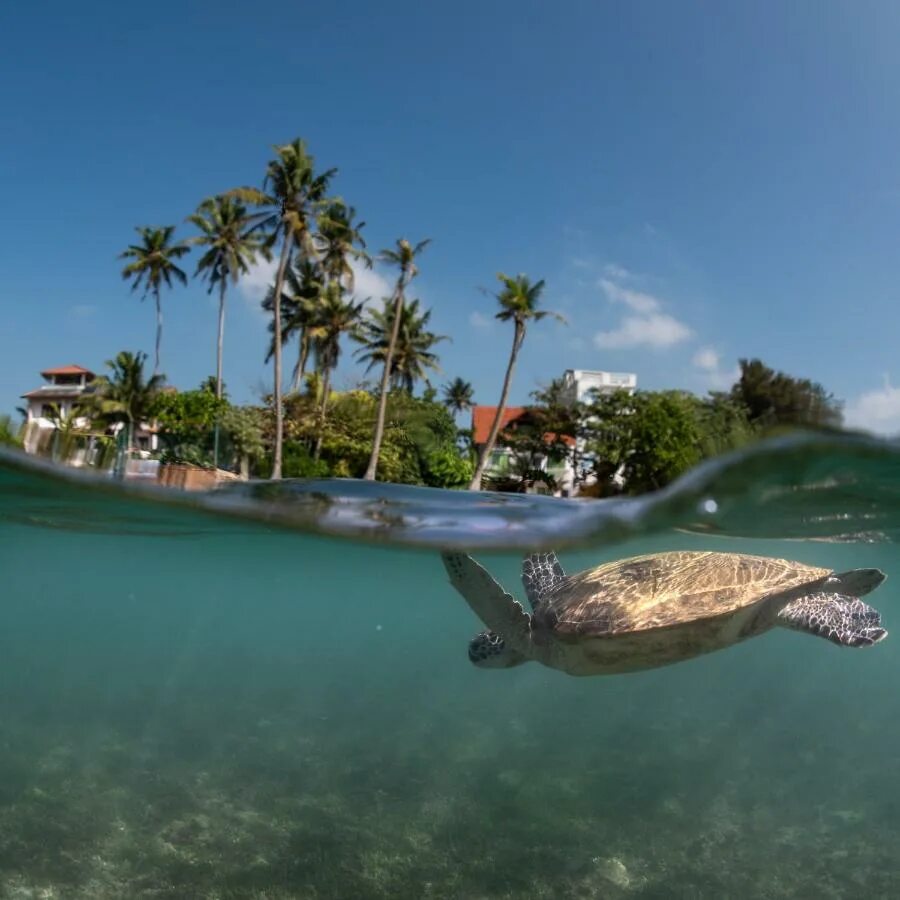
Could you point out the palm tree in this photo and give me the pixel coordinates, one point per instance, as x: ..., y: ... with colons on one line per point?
x: 227, y: 233
x: 519, y: 300
x: 292, y: 193
x: 404, y: 257
x: 124, y: 395
x: 412, y: 354
x: 302, y: 289
x: 337, y: 240
x: 153, y: 264
x: 458, y: 396
x: 335, y: 316
x: 231, y: 242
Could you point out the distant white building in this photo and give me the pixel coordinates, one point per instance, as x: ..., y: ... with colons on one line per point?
x: 578, y: 383
x: 52, y: 402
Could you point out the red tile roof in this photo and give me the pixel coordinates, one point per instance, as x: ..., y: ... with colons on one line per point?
x: 483, y: 418
x: 67, y: 370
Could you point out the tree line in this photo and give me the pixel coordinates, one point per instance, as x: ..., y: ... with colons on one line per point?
x: 315, y: 238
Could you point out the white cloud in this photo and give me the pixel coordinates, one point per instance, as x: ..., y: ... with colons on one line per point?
x: 714, y: 377
x: 613, y: 270
x: 655, y: 330
x: 256, y: 282
x: 651, y: 327
x: 477, y: 320
x: 707, y: 359
x: 877, y: 410
x: 636, y: 300
x: 368, y: 282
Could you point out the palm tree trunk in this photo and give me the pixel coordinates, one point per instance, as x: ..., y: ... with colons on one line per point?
x: 276, y: 306
x: 372, y: 468
x: 221, y: 341
x: 488, y: 448
x: 158, y: 330
x: 326, y: 384
x: 300, y: 368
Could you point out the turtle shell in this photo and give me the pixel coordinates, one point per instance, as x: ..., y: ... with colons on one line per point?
x: 665, y: 590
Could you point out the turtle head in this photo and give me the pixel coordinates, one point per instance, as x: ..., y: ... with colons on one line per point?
x: 488, y: 650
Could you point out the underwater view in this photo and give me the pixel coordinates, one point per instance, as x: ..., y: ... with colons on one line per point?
x: 266, y: 693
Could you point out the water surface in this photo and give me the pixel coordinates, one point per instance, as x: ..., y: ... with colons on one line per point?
x: 240, y: 701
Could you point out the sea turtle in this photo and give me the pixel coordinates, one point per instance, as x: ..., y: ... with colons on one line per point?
x: 653, y: 610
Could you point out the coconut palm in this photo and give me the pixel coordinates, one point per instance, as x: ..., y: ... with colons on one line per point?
x: 335, y: 317
x: 291, y: 196
x: 404, y: 257
x: 412, y: 356
x: 519, y: 300
x: 152, y: 265
x: 231, y: 244
x: 338, y: 241
x: 227, y: 233
x: 458, y: 396
x: 303, y: 286
x: 124, y: 395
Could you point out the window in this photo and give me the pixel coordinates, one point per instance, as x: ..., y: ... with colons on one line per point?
x: 47, y: 411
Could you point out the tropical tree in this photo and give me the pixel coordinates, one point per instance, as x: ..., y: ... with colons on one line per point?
x: 404, y: 258
x: 458, y: 396
x: 412, y: 356
x: 231, y: 243
x: 335, y: 316
x: 338, y: 241
x: 775, y: 399
x: 153, y: 265
x: 291, y: 196
x: 519, y: 300
x: 125, y: 395
x: 302, y: 289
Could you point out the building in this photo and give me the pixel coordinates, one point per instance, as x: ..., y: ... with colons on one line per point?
x: 53, y: 403
x: 578, y: 384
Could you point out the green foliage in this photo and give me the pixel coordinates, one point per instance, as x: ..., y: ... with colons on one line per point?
x: 411, y: 356
x: 125, y: 395
x: 10, y: 434
x: 724, y: 425
x: 773, y: 399
x: 186, y: 422
x: 445, y: 468
x: 648, y: 438
x: 242, y: 432
x: 298, y: 463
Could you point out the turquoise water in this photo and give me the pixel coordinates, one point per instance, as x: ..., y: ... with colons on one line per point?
x: 224, y: 702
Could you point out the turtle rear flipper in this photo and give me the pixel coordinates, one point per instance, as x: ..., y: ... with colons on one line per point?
x: 856, y: 582
x: 843, y: 620
x: 497, y: 609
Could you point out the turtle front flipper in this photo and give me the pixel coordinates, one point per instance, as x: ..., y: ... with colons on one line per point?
x: 497, y: 609
x: 541, y: 572
x: 843, y: 620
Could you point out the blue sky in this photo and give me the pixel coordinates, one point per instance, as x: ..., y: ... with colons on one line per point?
x: 696, y: 182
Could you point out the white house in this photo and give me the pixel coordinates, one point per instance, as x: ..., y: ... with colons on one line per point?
x: 65, y: 386
x: 578, y: 384
x: 52, y: 402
